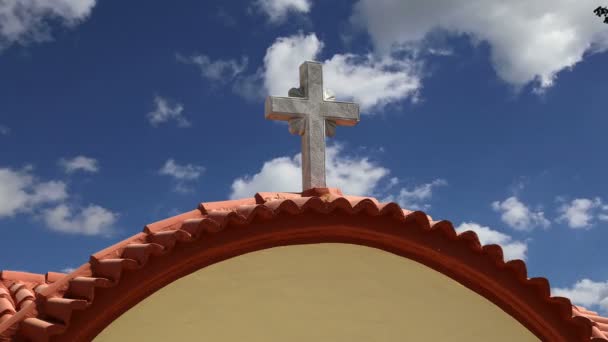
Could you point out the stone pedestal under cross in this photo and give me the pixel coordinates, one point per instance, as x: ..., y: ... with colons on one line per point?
x: 313, y: 117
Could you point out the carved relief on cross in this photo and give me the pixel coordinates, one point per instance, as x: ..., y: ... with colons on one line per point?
x: 310, y: 115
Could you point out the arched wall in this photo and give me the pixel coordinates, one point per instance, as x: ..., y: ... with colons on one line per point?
x: 316, y: 292
x: 459, y: 258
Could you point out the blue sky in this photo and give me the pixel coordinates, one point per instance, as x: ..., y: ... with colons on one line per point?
x: 114, y: 115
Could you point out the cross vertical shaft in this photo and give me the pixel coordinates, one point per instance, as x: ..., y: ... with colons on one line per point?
x: 312, y: 117
x: 313, y: 154
x: 313, y: 139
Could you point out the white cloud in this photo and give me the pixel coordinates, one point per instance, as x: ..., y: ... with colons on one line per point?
x: 22, y: 192
x: 279, y: 174
x: 47, y: 192
x: 518, y: 216
x: 440, y: 51
x: 512, y: 249
x: 165, y: 111
x: 586, y: 293
x: 81, y: 163
x: 353, y: 175
x: 91, y: 220
x: 248, y: 86
x: 415, y: 198
x: 4, y: 130
x: 604, y: 215
x: 182, y: 174
x: 528, y: 39
x: 580, y: 212
x: 68, y: 270
x: 277, y: 10
x: 371, y: 81
x: 283, y: 59
x: 23, y: 21
x: 218, y: 70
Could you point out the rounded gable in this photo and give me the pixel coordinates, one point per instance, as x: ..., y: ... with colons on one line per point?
x: 79, y: 306
x: 316, y: 292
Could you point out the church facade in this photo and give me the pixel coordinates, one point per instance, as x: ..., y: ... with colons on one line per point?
x: 311, y: 266
x: 317, y: 265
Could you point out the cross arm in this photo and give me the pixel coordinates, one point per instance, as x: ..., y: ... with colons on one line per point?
x: 285, y: 108
x: 342, y: 113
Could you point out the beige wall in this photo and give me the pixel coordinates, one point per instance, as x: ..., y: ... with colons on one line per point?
x: 323, y: 292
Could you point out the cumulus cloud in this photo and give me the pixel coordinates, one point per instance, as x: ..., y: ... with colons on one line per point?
x: 47, y: 192
x: 353, y: 175
x: 415, y: 198
x: 283, y: 59
x: 277, y: 10
x: 165, y: 111
x: 91, y: 220
x: 581, y: 212
x: 79, y: 163
x: 181, y: 174
x: 218, y: 70
x: 528, y: 40
x: 587, y: 293
x: 20, y: 192
x: 518, y: 216
x: 370, y: 81
x: 373, y: 82
x: 604, y: 215
x: 279, y: 174
x: 248, y: 86
x: 23, y: 21
x: 512, y: 249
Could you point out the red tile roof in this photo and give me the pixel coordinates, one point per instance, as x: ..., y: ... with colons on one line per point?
x: 77, y: 306
x: 600, y: 327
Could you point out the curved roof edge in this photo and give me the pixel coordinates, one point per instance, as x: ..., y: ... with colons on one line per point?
x: 77, y: 306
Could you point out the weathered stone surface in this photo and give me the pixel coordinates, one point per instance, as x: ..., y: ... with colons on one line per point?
x: 313, y: 116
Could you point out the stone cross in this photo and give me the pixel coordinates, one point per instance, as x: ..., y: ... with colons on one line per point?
x: 312, y: 116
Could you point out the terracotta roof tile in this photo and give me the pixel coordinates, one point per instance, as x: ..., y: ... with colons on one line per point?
x: 17, y: 294
x: 37, y: 307
x: 600, y: 324
x: 6, y: 306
